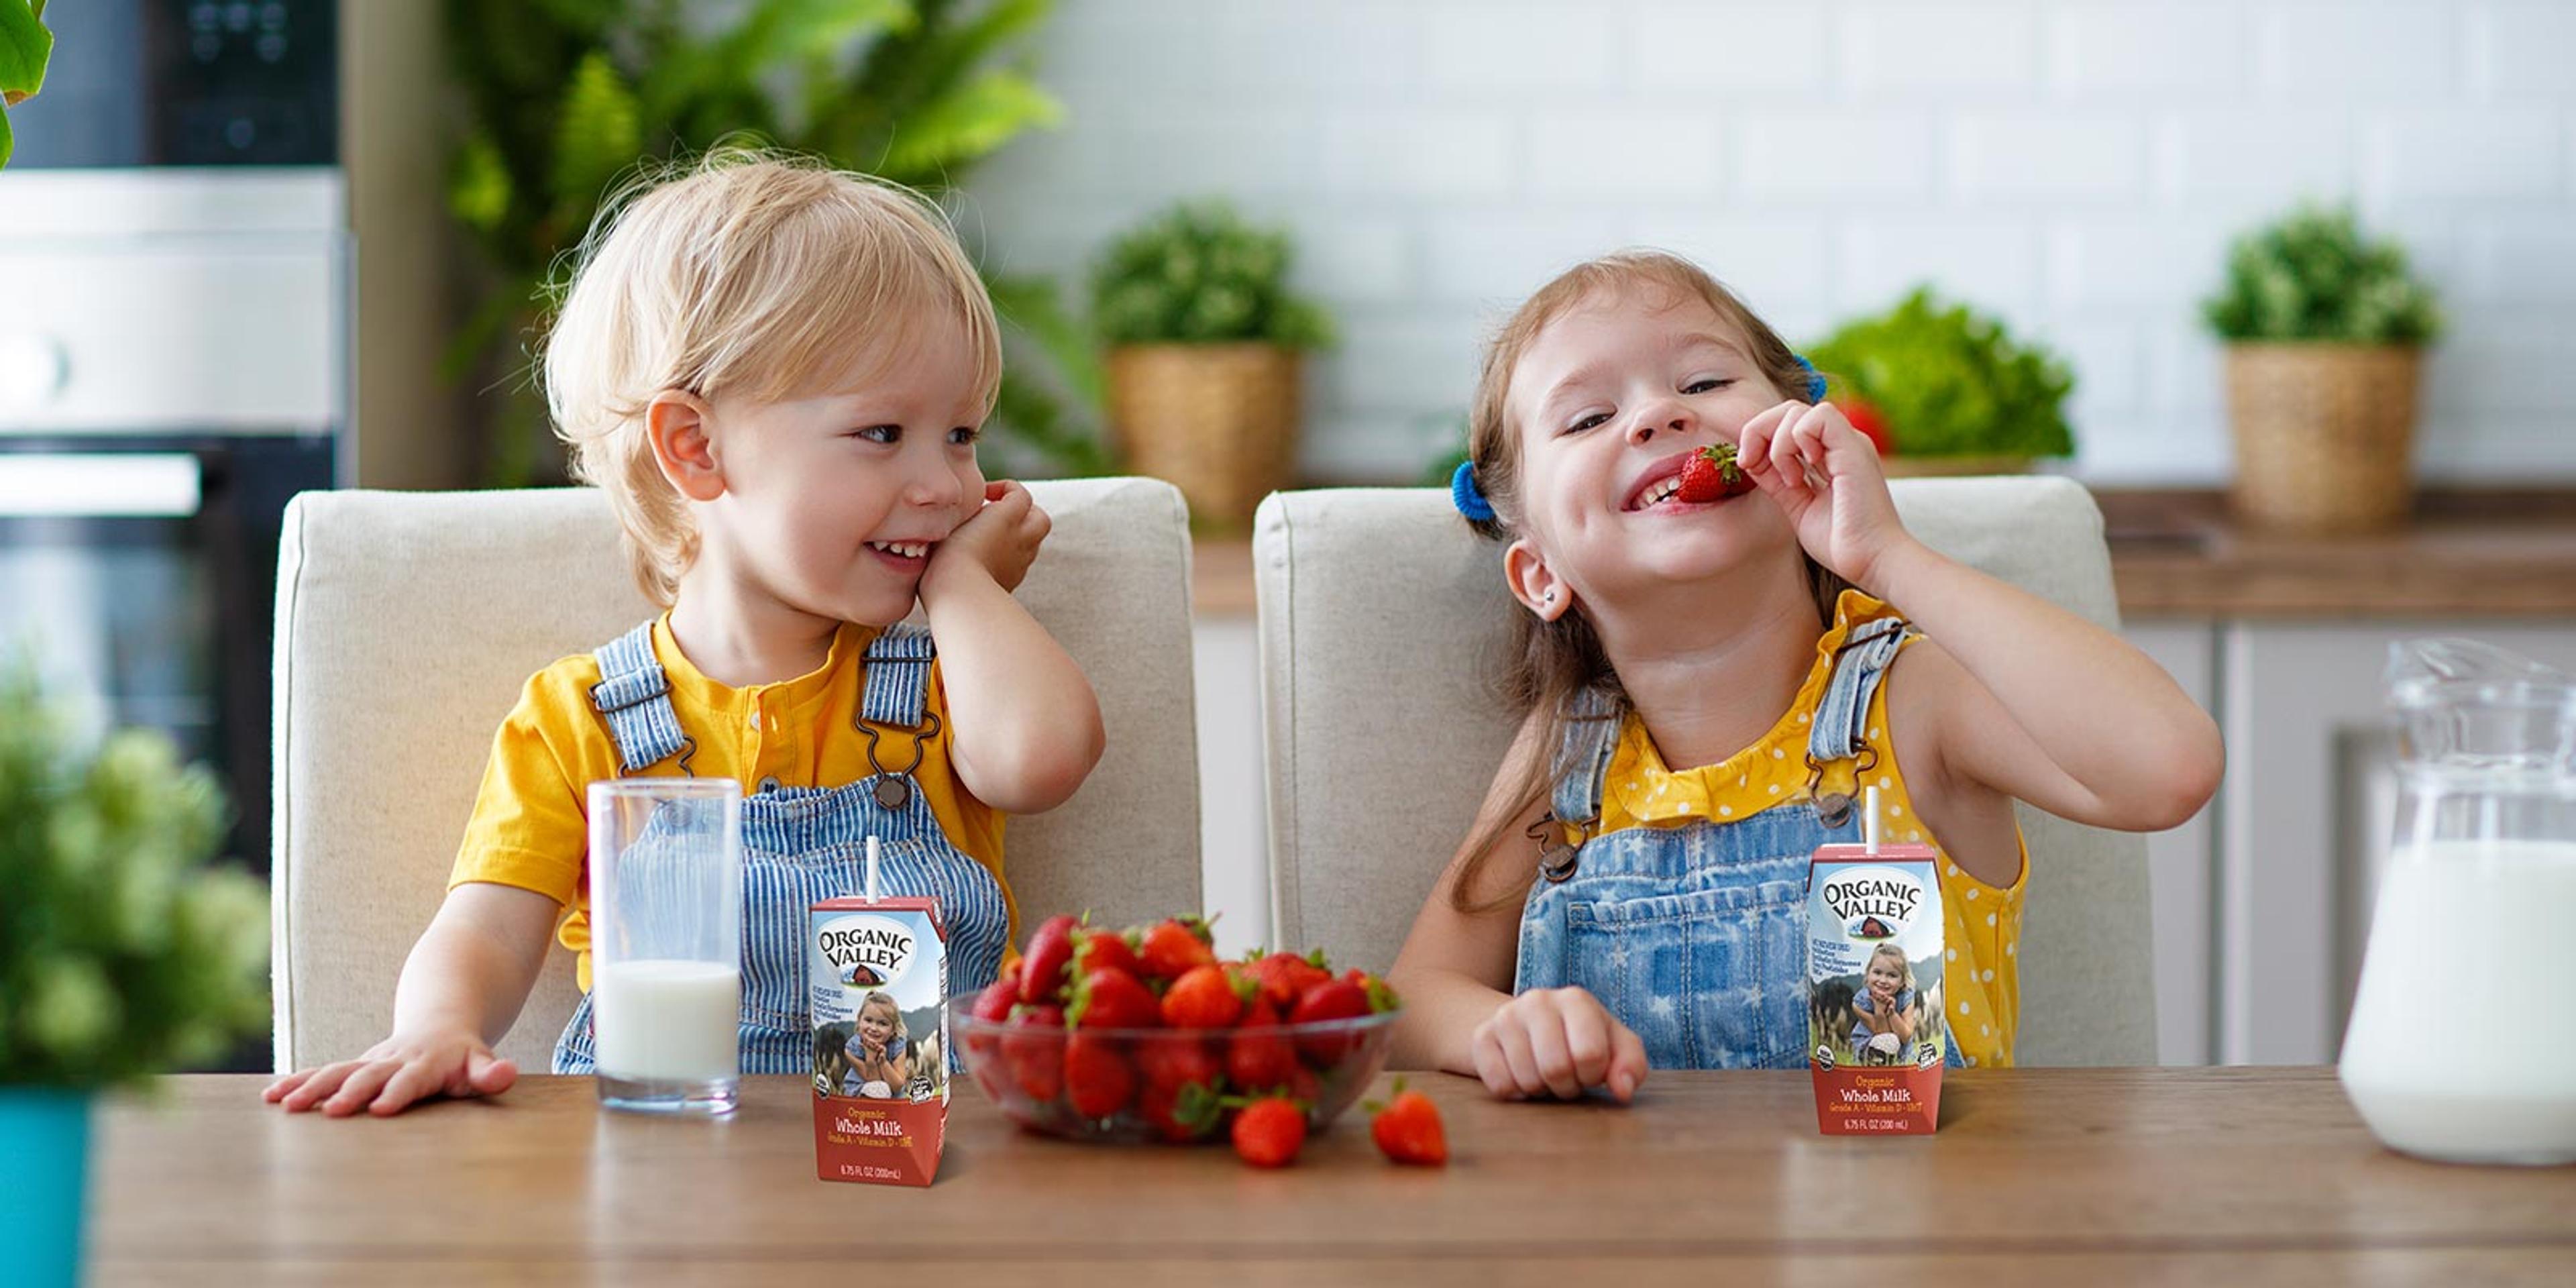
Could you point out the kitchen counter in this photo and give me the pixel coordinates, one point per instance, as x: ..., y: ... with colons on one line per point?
x: 2177, y: 553
x: 2467, y: 554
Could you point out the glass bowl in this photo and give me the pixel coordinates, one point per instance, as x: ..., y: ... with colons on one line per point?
x: 1168, y: 1085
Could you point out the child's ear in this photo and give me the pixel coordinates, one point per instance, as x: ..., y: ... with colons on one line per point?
x: 1533, y: 583
x: 676, y: 424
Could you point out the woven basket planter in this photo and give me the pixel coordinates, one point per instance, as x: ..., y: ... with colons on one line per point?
x: 1217, y: 420
x: 2325, y: 435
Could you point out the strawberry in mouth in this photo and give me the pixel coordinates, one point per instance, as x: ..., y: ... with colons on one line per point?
x: 1713, y: 475
x: 1706, y: 476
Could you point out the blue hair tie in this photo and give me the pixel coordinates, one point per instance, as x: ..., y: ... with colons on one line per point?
x: 1815, y: 378
x: 1469, y: 498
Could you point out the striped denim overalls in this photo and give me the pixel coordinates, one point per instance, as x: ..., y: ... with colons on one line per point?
x: 804, y: 844
x: 1695, y: 936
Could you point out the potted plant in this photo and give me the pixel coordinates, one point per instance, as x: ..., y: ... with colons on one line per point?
x: 2325, y: 333
x: 562, y: 100
x: 25, y: 48
x: 1206, y: 350
x: 1945, y: 389
x: 121, y: 952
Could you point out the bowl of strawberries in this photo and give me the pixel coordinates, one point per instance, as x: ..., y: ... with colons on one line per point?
x: 1144, y: 1034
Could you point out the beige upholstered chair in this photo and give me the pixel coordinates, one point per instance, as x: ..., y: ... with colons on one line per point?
x: 1379, y: 612
x: 406, y: 623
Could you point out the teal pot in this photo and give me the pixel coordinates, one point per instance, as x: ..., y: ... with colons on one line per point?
x: 44, y: 1135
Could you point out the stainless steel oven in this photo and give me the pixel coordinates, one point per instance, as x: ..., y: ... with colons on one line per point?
x: 173, y: 367
x: 174, y: 310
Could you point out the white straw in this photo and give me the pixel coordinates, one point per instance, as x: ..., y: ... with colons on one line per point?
x: 1869, y: 819
x: 872, y: 867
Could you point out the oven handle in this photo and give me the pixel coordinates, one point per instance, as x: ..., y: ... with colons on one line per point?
x: 100, y: 485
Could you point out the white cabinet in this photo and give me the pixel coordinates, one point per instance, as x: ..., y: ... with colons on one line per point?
x: 2182, y: 863
x: 1234, y: 824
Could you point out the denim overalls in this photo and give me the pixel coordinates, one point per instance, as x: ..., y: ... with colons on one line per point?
x: 1695, y: 935
x: 805, y: 844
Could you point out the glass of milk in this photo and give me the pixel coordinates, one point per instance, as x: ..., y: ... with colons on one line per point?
x: 666, y: 942
x: 2463, y: 1038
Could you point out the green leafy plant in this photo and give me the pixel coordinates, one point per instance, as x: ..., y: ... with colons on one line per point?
x: 2313, y: 275
x: 25, y: 48
x: 122, y: 952
x: 1198, y: 274
x: 1950, y: 381
x: 566, y: 96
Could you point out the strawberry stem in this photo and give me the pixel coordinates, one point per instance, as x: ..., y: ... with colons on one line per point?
x: 1723, y: 456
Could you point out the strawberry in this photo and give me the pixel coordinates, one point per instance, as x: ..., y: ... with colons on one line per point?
x: 1110, y: 998
x: 1303, y: 1086
x: 1871, y: 423
x: 993, y: 1078
x: 1043, y: 972
x: 1175, y: 947
x: 1180, y: 1112
x: 1407, y: 1128
x: 1255, y: 1059
x: 1269, y: 1132
x: 1205, y: 998
x: 993, y: 1006
x: 1177, y: 1061
x: 1098, y: 1081
x: 1381, y: 996
x: 1711, y: 474
x: 1334, y: 999
x: 1093, y: 949
x: 1259, y: 1057
x: 1285, y: 975
x: 1036, y: 1058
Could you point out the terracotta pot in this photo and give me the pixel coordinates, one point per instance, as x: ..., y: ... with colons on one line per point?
x: 1217, y: 420
x: 2324, y: 435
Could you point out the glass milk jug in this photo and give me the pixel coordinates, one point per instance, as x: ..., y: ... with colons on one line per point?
x: 2463, y: 1038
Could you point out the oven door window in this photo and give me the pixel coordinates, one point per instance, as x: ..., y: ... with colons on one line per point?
x: 105, y: 579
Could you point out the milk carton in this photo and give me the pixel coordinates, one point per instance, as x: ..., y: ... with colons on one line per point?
x: 1875, y: 1031
x: 876, y: 973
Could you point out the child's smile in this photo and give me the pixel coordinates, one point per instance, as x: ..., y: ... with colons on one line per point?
x: 1659, y: 488
x: 1661, y: 482
x: 907, y: 558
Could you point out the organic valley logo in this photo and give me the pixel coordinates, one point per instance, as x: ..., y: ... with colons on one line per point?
x: 868, y: 952
x: 1875, y: 903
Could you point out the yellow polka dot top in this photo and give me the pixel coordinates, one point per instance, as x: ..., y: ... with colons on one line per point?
x: 1981, y: 986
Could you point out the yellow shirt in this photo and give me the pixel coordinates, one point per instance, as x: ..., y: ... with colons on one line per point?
x: 1981, y: 924
x: 529, y: 830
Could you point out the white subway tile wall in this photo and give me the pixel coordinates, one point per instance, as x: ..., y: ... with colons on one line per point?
x: 2076, y: 165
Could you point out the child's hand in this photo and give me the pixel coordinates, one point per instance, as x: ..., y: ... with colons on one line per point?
x: 1001, y: 539
x: 1559, y: 1042
x: 1825, y: 476
x: 395, y: 1073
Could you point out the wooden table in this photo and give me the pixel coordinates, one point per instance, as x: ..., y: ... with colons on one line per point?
x: 2061, y: 1176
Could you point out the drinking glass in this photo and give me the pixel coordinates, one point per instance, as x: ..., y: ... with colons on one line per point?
x: 666, y: 943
